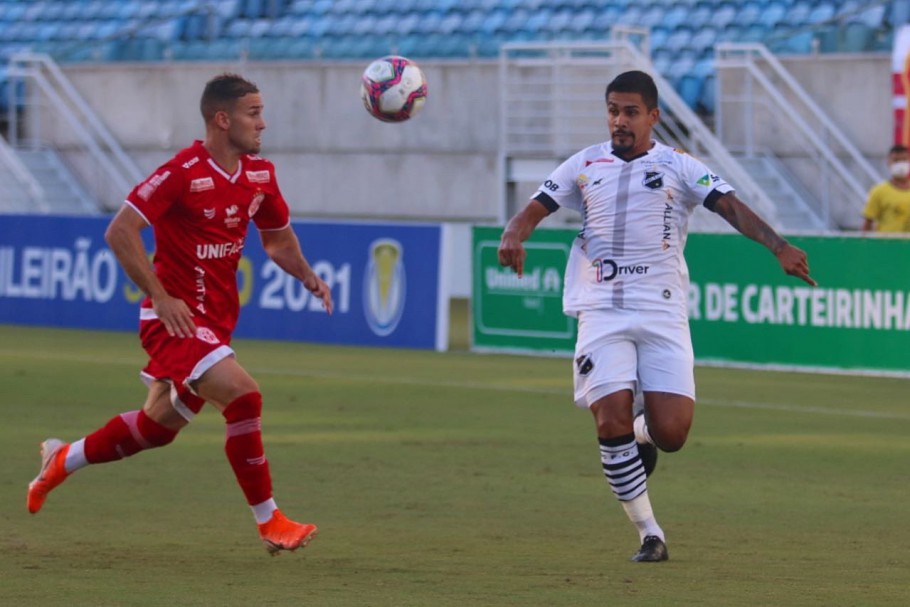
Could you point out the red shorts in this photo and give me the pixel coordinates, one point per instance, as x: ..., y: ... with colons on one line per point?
x: 180, y: 361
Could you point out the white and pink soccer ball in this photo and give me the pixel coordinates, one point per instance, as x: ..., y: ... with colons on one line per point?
x: 393, y: 88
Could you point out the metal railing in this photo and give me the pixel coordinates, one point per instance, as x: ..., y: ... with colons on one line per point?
x: 552, y: 105
x: 47, y: 80
x: 23, y: 177
x: 762, y: 106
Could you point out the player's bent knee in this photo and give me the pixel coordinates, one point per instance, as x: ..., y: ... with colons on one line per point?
x: 669, y: 440
x: 247, y: 406
x: 154, y: 433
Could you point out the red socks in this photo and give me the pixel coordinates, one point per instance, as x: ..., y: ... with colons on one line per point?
x: 243, y: 446
x: 125, y: 435
x: 132, y: 432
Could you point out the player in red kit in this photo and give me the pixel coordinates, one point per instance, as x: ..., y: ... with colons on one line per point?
x: 200, y: 205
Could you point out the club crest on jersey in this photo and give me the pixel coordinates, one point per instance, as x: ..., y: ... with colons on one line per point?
x: 585, y: 364
x: 258, y: 176
x: 258, y: 197
x: 207, y: 335
x: 653, y: 180
x: 581, y: 181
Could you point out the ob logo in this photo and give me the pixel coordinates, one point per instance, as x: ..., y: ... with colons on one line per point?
x: 384, y: 286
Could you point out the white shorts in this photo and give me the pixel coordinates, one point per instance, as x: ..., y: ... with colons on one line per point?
x: 631, y: 350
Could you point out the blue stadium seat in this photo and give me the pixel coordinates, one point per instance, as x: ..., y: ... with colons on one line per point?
x: 874, y: 17
x: 704, y: 38
x: 471, y: 22
x: 239, y: 28
x: 724, y: 15
x: 558, y: 22
x: 661, y: 58
x: 858, y: 37
x: 704, y: 67
x: 899, y: 13
x: 690, y: 88
x: 302, y: 48
x: 755, y: 32
x: 798, y: 13
x: 631, y: 16
x: 773, y: 14
x: 821, y: 12
x: 516, y: 21
x: 679, y: 39
x: 748, y: 13
x: 652, y: 15
x: 451, y: 23
x: 701, y: 15
x: 676, y: 16
x: 799, y: 43
x: 708, y: 97
x: 658, y: 37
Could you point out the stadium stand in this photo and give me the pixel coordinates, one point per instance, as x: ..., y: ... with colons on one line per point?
x: 201, y: 30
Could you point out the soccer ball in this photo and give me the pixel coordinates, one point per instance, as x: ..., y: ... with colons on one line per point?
x: 393, y: 89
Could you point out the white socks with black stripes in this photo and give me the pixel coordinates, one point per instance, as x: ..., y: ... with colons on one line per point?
x: 624, y: 471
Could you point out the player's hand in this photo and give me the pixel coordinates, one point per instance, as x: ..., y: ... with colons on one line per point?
x: 320, y: 289
x: 175, y: 315
x: 795, y: 263
x: 512, y: 253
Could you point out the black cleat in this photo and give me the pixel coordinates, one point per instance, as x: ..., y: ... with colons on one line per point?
x: 652, y: 550
x: 648, y: 454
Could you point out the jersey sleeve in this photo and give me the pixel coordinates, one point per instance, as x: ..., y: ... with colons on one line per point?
x: 561, y: 189
x: 273, y: 213
x: 154, y: 196
x: 701, y: 185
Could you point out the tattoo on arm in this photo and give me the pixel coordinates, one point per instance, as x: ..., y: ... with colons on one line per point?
x: 744, y: 219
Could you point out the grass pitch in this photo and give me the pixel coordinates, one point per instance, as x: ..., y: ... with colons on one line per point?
x: 451, y: 479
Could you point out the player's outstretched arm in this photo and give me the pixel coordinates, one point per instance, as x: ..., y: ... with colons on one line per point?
x: 511, y: 250
x: 793, y: 260
x: 283, y: 248
x: 123, y: 236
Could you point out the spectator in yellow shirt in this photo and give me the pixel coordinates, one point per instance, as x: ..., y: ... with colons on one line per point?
x: 888, y: 206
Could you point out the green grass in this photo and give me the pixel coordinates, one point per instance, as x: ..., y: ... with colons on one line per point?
x: 451, y: 479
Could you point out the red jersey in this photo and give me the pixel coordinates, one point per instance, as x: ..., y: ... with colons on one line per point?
x: 200, y: 215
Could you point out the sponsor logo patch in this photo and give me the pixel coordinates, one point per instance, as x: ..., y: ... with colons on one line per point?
x: 258, y: 176
x: 231, y: 221
x: 202, y: 184
x: 148, y: 188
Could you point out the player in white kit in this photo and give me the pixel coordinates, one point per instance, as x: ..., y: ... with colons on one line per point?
x: 626, y: 282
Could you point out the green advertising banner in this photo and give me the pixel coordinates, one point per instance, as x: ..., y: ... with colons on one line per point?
x: 521, y: 314
x: 743, y: 309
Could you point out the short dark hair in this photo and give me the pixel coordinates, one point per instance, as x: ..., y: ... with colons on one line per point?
x: 635, y: 82
x: 898, y: 148
x: 222, y: 91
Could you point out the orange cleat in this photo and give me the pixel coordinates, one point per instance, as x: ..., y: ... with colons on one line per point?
x: 53, y: 472
x: 281, y: 533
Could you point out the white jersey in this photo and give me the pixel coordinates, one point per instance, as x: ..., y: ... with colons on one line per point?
x: 629, y: 252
